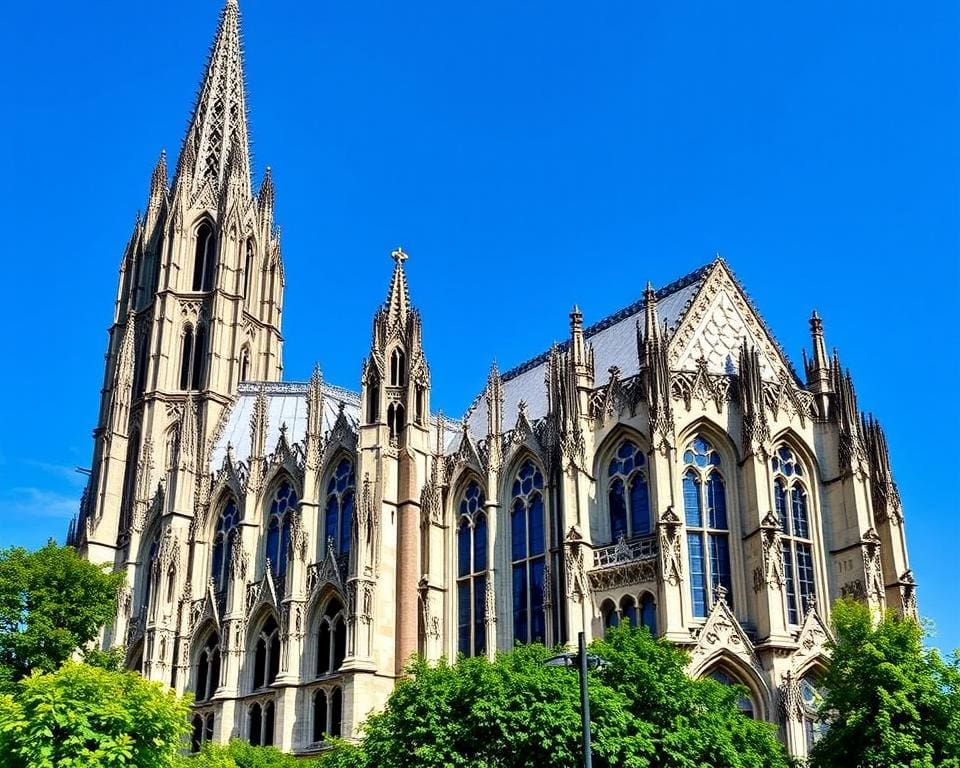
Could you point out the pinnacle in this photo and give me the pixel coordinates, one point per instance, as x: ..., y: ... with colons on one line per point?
x: 398, y: 297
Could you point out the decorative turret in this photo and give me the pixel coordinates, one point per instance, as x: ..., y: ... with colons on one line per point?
x: 886, y: 497
x: 652, y: 351
x: 817, y: 367
x: 756, y: 430
x: 845, y: 414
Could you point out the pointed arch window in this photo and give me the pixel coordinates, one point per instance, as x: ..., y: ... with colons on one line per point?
x: 708, y: 532
x: 260, y: 724
x: 331, y: 639
x: 266, y: 655
x: 248, y: 273
x: 245, y: 364
x: 282, y: 509
x: 811, y: 697
x: 205, y: 258
x: 150, y: 572
x: 396, y: 419
x: 208, y: 668
x: 471, y: 572
x: 790, y: 498
x: 398, y: 368
x: 744, y: 700
x: 338, y: 510
x: 192, y: 357
x: 648, y: 613
x: 223, y: 545
x: 629, y: 494
x: 528, y: 534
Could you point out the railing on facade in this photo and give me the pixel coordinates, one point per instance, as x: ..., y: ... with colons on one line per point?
x: 625, y: 551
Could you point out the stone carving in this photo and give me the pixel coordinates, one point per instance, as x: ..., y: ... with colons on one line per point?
x: 238, y: 560
x: 668, y: 531
x: 573, y: 560
x: 770, y: 574
x: 872, y: 568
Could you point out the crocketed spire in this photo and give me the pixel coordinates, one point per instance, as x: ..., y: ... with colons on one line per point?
x: 398, y: 298
x: 217, y: 137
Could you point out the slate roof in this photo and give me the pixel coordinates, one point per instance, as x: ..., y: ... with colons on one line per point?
x: 614, y: 341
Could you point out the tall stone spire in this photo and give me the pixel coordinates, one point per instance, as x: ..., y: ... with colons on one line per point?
x: 217, y: 137
x: 398, y: 298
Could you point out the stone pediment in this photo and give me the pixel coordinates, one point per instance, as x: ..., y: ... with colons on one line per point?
x: 812, y: 640
x: 722, y: 635
x: 720, y: 318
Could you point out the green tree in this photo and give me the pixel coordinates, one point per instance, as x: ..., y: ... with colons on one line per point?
x: 52, y: 602
x: 516, y: 713
x: 889, y: 703
x: 239, y: 754
x: 87, y: 717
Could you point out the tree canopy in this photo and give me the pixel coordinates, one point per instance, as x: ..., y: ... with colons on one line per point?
x: 889, y: 702
x: 514, y: 712
x: 52, y: 602
x: 88, y: 717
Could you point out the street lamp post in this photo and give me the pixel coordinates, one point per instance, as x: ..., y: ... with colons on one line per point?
x: 583, y: 662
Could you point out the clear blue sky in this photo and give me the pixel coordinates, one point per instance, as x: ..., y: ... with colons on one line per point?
x: 528, y: 156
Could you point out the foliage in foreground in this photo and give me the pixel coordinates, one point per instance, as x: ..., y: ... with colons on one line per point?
x: 516, y: 713
x: 889, y: 702
x: 239, y: 754
x: 88, y: 717
x: 52, y: 602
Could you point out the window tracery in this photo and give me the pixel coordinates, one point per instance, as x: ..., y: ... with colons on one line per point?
x: 223, y: 545
x: 471, y: 571
x: 629, y: 495
x: 327, y: 713
x: 790, y: 498
x: 341, y: 497
x: 260, y: 724
x: 528, y: 534
x: 745, y: 701
x: 282, y: 508
x: 705, y: 511
x: 208, y: 669
x: 331, y: 639
x: 266, y: 655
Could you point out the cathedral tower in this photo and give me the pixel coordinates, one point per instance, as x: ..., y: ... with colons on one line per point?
x: 198, y: 311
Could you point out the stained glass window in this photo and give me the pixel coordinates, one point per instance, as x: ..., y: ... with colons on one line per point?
x: 790, y: 498
x: 629, y: 495
x: 528, y: 528
x: 341, y: 493
x: 471, y: 572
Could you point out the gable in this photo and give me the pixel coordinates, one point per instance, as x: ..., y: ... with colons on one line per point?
x: 716, y: 324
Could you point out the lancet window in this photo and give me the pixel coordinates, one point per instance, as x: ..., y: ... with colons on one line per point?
x: 260, y: 724
x: 223, y: 545
x: 193, y: 354
x: 266, y: 655
x: 331, y: 639
x: 282, y: 509
x: 398, y: 368
x: 471, y: 571
x: 208, y: 668
x: 202, y: 731
x: 708, y: 533
x: 811, y: 696
x: 790, y: 497
x: 642, y: 614
x: 149, y: 572
x: 528, y: 534
x: 205, y: 258
x: 248, y: 273
x: 327, y: 714
x: 629, y: 494
x: 338, y: 510
x: 744, y: 700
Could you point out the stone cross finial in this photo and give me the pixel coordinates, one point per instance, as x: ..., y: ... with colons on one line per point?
x: 720, y: 594
x: 399, y: 256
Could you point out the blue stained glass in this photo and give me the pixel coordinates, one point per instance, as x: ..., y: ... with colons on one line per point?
x: 346, y: 520
x: 628, y: 612
x: 793, y: 615
x: 720, y: 563
x: 480, y: 544
x: 538, y: 618
x: 698, y: 576
x: 801, y: 526
x: 463, y: 548
x: 284, y: 547
x: 700, y: 445
x: 463, y: 617
x: 627, y: 450
x: 639, y: 505
x: 516, y: 487
x: 537, y: 542
x: 518, y: 530
x: 805, y: 572
x: 691, y: 499
x: 648, y: 614
x: 688, y: 457
x: 273, y: 545
x: 216, y: 569
x: 716, y: 501
x: 780, y: 499
x: 332, y: 521
x: 479, y: 615
x: 618, y: 509
x: 520, y: 603
x: 537, y: 479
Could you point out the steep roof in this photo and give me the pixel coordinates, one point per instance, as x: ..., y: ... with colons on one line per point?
x: 614, y: 341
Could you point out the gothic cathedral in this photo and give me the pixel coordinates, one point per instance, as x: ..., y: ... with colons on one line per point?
x: 289, y: 545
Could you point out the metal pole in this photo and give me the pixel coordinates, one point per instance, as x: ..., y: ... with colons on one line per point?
x: 585, y: 704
